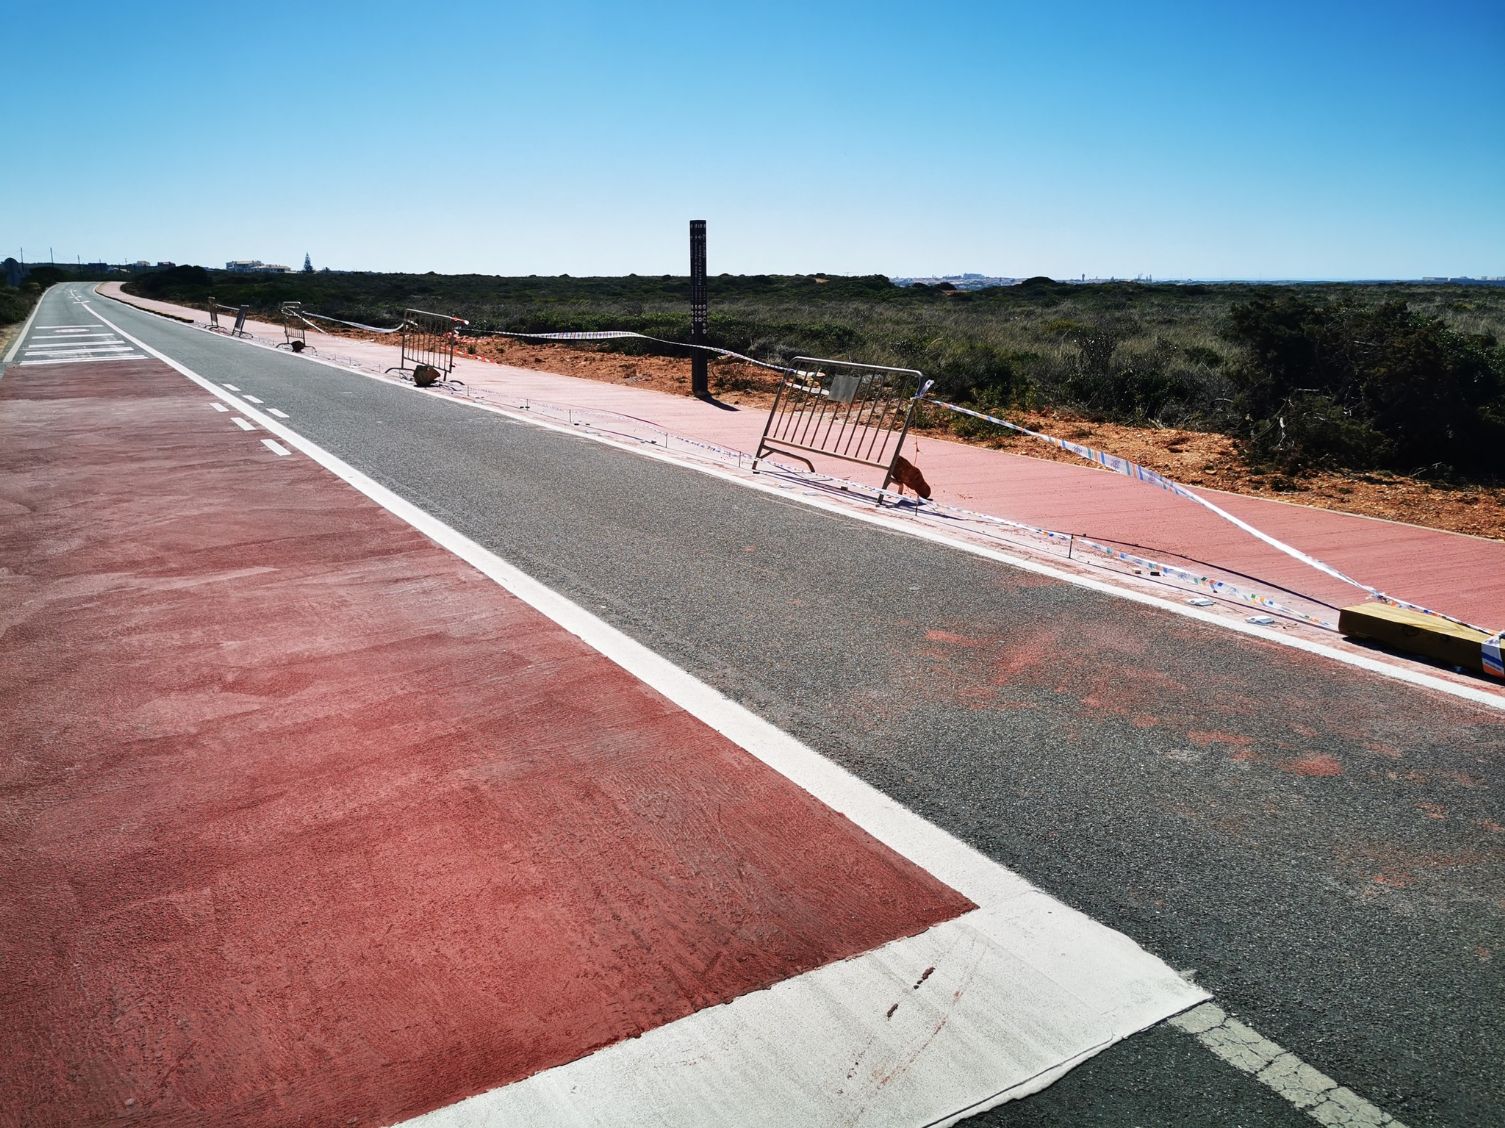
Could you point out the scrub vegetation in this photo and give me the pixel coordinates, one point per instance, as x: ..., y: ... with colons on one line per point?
x: 1402, y: 377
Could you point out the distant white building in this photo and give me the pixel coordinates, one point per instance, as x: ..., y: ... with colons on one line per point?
x: 256, y: 266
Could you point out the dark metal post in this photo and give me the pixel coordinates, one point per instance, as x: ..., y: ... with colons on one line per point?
x: 700, y: 383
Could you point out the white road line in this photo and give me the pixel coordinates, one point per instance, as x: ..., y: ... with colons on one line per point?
x: 278, y: 413
x: 251, y: 399
x: 15, y: 345
x: 79, y: 338
x: 230, y: 387
x: 219, y: 406
x: 58, y: 350
x: 242, y: 424
x: 1480, y: 696
x: 1315, y: 1093
x: 83, y: 360
x: 1029, y: 986
x: 75, y: 328
x: 275, y: 446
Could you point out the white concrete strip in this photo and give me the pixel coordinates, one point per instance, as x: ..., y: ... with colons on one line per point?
x: 219, y: 406
x: 231, y: 387
x: 251, y: 399
x: 31, y: 318
x: 1409, y: 675
x: 243, y: 424
x: 278, y: 413
x: 1030, y: 986
x: 924, y: 1031
x: 59, y: 350
x: 276, y: 447
x: 1315, y: 1093
x: 84, y: 360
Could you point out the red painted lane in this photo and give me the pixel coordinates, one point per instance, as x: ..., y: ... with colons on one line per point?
x: 304, y: 821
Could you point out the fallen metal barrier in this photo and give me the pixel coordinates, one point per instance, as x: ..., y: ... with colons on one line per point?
x: 294, y: 328
x: 855, y: 412
x: 239, y: 328
x: 429, y: 339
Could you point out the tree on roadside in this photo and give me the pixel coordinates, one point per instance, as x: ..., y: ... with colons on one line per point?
x: 308, y: 264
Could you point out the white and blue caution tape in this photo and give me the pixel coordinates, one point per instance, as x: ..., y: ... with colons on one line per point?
x: 623, y: 334
x: 353, y: 324
x: 1493, y: 664
x: 1150, y: 477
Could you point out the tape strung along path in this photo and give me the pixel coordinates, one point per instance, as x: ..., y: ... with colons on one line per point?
x: 309, y: 821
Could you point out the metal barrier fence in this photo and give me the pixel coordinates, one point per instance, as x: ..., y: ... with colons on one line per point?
x: 294, y: 328
x: 855, y: 412
x: 429, y: 338
x: 239, y: 329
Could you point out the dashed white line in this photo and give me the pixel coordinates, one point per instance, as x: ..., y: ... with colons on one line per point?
x: 274, y: 445
x: 219, y: 407
x: 1314, y: 1092
x: 243, y: 424
x: 277, y: 412
x: 251, y: 399
x: 230, y: 387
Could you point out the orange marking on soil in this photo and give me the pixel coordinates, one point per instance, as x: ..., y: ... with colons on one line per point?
x: 1433, y: 810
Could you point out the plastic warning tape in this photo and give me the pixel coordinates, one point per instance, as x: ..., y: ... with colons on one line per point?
x: 622, y: 334
x: 1150, y: 477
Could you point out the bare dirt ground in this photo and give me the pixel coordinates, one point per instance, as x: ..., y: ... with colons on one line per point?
x: 1194, y: 458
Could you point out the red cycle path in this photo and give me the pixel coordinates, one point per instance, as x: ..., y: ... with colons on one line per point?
x: 302, y: 820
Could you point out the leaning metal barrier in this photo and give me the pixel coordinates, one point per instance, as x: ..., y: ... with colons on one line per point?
x: 239, y: 329
x: 294, y: 328
x: 429, y: 338
x: 855, y: 412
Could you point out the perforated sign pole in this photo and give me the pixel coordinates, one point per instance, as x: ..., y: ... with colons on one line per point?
x: 700, y: 384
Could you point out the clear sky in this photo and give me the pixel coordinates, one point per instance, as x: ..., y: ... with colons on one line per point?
x: 1218, y: 140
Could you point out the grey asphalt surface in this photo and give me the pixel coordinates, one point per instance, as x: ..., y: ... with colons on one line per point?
x: 1321, y: 848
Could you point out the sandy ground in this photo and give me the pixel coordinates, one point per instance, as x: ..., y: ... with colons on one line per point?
x: 1194, y: 458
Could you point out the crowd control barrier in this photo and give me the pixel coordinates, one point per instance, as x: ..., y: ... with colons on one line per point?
x: 238, y: 326
x: 294, y: 328
x: 855, y: 412
x: 429, y: 339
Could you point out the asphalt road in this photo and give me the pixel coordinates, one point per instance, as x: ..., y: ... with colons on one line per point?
x: 1319, y: 847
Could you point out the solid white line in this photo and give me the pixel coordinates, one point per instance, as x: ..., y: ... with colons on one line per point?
x: 219, y: 406
x: 251, y: 399
x: 274, y: 445
x: 83, y: 360
x: 1315, y: 1093
x: 59, y: 350
x: 1031, y: 985
x: 278, y: 413
x: 75, y: 328
x: 10, y: 354
x: 241, y: 423
x: 83, y: 336
x: 1476, y: 694
x: 231, y: 387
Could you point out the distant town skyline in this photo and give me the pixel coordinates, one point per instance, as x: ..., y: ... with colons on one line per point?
x: 1336, y: 141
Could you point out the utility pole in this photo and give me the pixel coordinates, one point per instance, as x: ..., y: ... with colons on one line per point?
x: 700, y: 384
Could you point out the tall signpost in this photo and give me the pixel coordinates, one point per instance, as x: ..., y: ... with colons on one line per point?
x: 700, y: 383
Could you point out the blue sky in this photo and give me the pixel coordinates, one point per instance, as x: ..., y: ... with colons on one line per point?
x: 1270, y: 140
